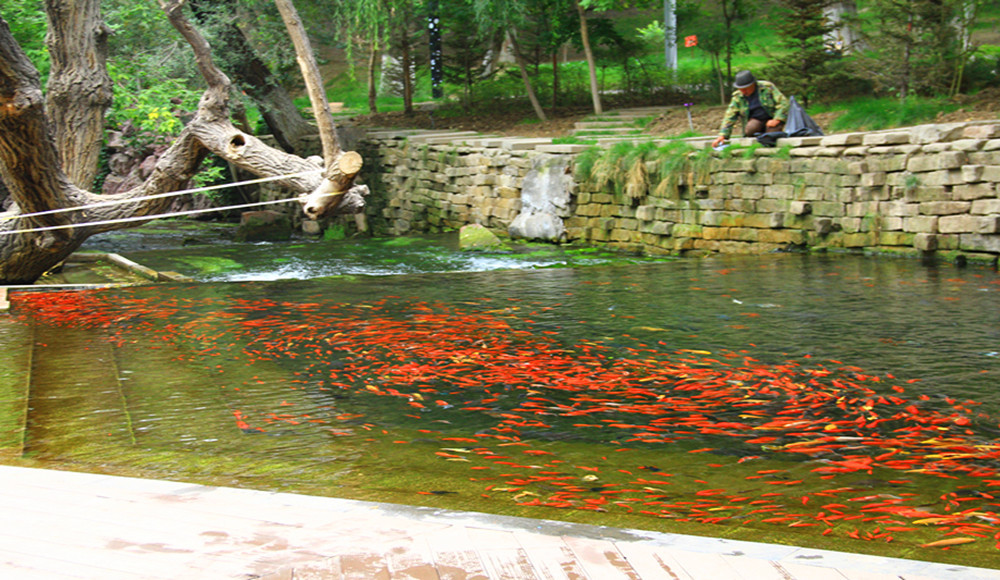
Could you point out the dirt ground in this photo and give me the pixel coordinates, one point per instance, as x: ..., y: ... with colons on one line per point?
x: 704, y: 120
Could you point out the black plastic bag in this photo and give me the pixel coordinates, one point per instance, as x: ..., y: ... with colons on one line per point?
x: 799, y: 123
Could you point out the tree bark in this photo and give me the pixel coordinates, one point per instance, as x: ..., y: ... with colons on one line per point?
x: 527, y: 81
x: 31, y: 169
x: 595, y: 93
x: 372, y: 85
x: 79, y: 88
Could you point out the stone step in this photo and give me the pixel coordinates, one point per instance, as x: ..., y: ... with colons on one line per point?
x: 75, y: 400
x: 15, y: 373
x: 607, y: 131
x: 583, y: 125
x: 441, y: 136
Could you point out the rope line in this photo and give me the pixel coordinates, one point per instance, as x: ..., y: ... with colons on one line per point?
x: 154, y: 196
x: 148, y: 217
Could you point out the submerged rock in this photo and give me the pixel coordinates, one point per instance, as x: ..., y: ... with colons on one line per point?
x: 264, y: 226
x: 476, y: 237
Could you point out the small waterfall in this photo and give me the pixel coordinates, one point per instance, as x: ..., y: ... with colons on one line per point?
x: 545, y: 200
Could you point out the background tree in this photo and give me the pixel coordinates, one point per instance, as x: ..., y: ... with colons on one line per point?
x: 720, y: 28
x: 465, y: 51
x: 915, y: 46
x: 505, y: 16
x: 239, y: 59
x: 801, y: 68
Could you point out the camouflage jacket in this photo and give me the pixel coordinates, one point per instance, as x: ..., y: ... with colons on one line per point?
x: 739, y: 108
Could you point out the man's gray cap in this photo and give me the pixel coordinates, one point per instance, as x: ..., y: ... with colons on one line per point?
x: 744, y: 79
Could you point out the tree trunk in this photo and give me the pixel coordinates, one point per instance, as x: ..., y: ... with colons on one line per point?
x: 79, y: 88
x: 341, y: 168
x: 527, y: 81
x: 277, y: 108
x: 555, y: 80
x: 595, y: 93
x: 372, y: 85
x: 31, y: 169
x: 407, y: 63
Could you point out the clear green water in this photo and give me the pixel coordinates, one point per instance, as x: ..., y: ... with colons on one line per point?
x: 836, y: 401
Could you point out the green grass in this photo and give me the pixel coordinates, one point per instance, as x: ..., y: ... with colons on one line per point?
x: 874, y: 114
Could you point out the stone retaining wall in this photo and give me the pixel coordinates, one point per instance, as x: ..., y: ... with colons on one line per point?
x: 924, y: 189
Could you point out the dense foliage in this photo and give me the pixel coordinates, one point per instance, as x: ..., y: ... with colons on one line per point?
x: 922, y: 47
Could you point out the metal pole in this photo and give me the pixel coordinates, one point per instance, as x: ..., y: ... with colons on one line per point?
x: 434, y: 34
x: 670, y: 34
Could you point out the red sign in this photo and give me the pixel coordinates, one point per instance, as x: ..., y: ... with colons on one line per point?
x: 690, y: 41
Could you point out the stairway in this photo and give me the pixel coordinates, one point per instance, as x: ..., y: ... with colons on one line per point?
x: 617, y: 124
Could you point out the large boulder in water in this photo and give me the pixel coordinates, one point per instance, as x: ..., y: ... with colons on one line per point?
x: 476, y: 237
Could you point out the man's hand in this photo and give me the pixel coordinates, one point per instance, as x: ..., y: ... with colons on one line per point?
x: 772, y: 123
x: 718, y: 141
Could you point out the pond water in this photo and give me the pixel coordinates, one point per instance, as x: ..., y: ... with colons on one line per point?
x: 837, y: 401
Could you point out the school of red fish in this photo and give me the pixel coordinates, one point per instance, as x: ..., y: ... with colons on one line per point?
x: 833, y: 425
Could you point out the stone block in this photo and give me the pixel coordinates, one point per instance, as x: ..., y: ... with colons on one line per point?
x: 783, y: 237
x: 744, y: 234
x: 925, y: 242
x: 886, y: 163
x: 800, y: 208
x: 974, y: 191
x: 985, y: 157
x: 842, y: 140
x: 896, y: 238
x: 937, y: 132
x: 823, y: 226
x: 645, y: 212
x: 991, y: 173
x: 741, y: 205
x: 979, y: 243
x: 888, y: 138
x: 923, y: 224
x: 891, y: 223
x: 828, y: 209
x: 850, y: 225
x: 943, y: 160
x: 903, y: 150
x: 687, y: 231
x: 862, y: 208
x: 662, y: 228
x: 941, y: 177
x: 873, y: 179
x: 968, y: 145
x: 985, y: 207
x: 972, y: 173
x: 989, y: 224
x: 944, y: 207
x: 958, y: 224
x: 859, y: 240
x: 982, y: 132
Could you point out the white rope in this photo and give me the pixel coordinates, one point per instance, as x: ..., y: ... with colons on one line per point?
x: 157, y: 196
x: 147, y: 217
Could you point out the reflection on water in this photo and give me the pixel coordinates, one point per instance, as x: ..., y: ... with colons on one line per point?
x: 821, y: 398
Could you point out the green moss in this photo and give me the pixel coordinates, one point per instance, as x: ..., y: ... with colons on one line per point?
x: 210, y: 264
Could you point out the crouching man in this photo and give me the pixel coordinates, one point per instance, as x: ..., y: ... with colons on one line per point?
x: 758, y: 105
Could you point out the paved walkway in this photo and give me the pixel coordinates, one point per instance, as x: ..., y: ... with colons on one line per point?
x: 58, y: 525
